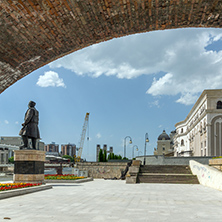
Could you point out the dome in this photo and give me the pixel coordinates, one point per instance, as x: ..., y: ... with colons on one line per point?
x: 163, y: 136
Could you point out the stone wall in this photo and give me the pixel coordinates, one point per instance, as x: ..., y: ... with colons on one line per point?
x: 162, y: 160
x: 207, y: 176
x: 216, y: 163
x: 102, y: 170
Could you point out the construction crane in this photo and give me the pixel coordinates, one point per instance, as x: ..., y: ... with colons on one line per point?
x: 82, y: 139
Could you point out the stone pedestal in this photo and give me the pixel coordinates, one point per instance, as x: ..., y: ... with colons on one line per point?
x: 133, y: 172
x: 29, y: 166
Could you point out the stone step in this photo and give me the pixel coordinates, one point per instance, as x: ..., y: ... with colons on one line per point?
x: 168, y: 178
x: 178, y: 169
x: 165, y: 174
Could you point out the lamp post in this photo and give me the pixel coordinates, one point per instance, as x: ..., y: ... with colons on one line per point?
x: 146, y: 141
x: 125, y: 144
x: 133, y: 150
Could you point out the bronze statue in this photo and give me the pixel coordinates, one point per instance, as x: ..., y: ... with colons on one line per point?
x: 30, y: 126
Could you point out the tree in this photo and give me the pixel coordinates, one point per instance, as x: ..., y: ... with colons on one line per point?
x: 11, y: 159
x: 101, y: 155
x: 104, y: 156
x: 68, y: 157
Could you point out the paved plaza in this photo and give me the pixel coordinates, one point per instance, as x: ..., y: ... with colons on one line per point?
x: 114, y: 200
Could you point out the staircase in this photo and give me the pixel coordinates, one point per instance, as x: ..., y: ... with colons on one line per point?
x: 180, y: 174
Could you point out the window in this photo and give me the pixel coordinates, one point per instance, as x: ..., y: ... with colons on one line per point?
x: 182, y: 142
x: 163, y: 148
x: 2, y: 158
x: 182, y: 130
x: 219, y: 105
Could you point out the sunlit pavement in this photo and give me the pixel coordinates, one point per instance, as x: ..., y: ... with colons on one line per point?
x: 114, y: 200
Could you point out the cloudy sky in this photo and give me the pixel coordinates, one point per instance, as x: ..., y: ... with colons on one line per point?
x: 131, y: 86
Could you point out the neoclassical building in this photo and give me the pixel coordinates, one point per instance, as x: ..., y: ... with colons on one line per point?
x: 164, y: 144
x: 200, y: 134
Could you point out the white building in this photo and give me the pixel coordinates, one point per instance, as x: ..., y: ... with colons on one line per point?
x: 14, y: 142
x: 200, y: 134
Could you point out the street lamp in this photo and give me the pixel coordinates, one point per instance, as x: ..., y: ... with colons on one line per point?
x: 130, y: 142
x: 146, y: 141
x: 133, y: 150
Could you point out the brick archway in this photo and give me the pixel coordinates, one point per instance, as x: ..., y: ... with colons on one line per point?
x: 36, y: 32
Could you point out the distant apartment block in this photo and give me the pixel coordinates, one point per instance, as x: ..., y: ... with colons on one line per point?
x: 52, y: 147
x: 68, y: 149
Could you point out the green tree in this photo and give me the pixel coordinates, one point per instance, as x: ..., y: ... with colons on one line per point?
x: 104, y: 156
x: 120, y: 157
x: 11, y: 159
x: 68, y: 157
x: 101, y: 155
x: 109, y: 156
x: 112, y: 156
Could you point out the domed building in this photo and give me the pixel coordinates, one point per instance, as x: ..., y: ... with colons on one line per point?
x: 164, y: 144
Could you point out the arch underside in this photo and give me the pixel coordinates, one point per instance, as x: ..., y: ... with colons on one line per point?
x: 36, y: 32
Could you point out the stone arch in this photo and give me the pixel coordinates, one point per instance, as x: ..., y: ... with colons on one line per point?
x: 36, y: 32
x: 215, y: 148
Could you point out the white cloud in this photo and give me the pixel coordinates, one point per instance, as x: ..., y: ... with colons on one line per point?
x: 155, y: 103
x: 50, y: 78
x: 16, y: 122
x: 6, y: 122
x: 98, y: 135
x: 180, y: 55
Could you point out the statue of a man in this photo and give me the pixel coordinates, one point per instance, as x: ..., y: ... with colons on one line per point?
x: 30, y: 126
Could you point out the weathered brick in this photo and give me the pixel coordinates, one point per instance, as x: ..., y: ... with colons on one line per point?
x: 49, y: 29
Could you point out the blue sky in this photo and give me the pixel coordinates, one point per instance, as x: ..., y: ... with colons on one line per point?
x: 131, y: 86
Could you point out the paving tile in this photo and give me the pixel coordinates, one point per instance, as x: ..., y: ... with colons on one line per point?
x: 103, y: 200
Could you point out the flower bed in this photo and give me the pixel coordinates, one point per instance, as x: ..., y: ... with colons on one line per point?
x: 12, y: 186
x: 62, y: 177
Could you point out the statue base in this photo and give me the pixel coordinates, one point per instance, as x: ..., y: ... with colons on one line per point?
x: 29, y: 166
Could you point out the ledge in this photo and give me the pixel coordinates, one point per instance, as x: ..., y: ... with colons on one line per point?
x: 70, y: 181
x: 22, y: 191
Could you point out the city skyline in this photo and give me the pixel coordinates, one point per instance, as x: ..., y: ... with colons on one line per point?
x: 131, y: 86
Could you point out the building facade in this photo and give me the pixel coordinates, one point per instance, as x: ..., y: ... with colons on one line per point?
x: 4, y: 155
x: 14, y: 142
x: 68, y: 149
x: 104, y: 148
x: 200, y: 134
x: 164, y: 144
x: 52, y: 147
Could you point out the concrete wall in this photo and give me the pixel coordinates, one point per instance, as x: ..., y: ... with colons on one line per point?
x: 162, y: 160
x: 102, y: 170
x: 207, y: 176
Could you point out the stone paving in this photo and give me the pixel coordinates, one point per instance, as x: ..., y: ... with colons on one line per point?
x: 114, y: 200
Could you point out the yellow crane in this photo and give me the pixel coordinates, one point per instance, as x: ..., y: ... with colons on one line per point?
x: 82, y: 139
